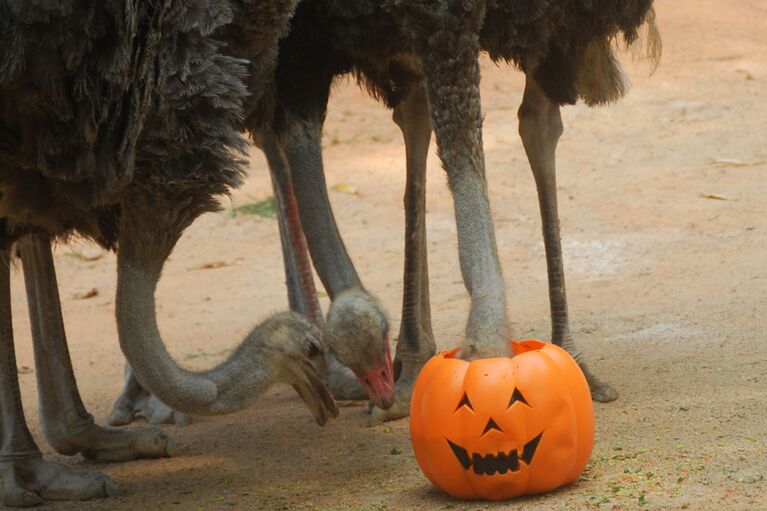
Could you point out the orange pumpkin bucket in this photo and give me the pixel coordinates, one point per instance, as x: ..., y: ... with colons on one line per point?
x: 498, y: 428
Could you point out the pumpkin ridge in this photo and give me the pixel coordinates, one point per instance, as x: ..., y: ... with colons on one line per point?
x: 417, y: 412
x: 560, y: 360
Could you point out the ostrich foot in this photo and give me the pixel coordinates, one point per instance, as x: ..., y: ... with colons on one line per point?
x: 30, y: 482
x: 128, y: 408
x: 601, y: 391
x: 102, y: 444
x: 135, y: 401
x: 407, y: 373
x: 401, y: 407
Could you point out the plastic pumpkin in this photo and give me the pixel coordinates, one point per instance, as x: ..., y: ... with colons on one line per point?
x: 498, y: 428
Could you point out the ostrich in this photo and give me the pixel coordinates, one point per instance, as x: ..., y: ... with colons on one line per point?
x: 420, y: 59
x: 251, y: 35
x: 117, y: 124
x: 357, y: 329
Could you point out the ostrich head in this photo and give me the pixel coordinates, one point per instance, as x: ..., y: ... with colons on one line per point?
x: 358, y: 333
x: 290, y: 348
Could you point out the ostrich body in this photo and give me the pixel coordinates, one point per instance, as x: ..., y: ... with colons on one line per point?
x: 420, y: 59
x: 117, y: 123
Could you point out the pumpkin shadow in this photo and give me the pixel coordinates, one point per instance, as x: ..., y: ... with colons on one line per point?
x: 433, y: 498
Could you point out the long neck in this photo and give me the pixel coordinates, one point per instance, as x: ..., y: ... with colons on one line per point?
x: 230, y: 386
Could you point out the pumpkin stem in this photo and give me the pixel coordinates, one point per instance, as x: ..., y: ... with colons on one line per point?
x: 451, y: 353
x: 519, y: 347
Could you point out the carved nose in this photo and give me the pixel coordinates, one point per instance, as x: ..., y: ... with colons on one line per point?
x: 491, y: 425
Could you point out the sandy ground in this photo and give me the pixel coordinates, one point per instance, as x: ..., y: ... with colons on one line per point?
x: 663, y: 212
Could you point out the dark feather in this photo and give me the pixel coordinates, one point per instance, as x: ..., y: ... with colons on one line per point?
x: 96, y: 97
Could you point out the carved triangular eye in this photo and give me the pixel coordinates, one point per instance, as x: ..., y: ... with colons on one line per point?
x: 464, y: 402
x: 517, y: 396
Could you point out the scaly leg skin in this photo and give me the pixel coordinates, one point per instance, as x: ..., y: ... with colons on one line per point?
x: 415, y: 343
x: 540, y: 126
x: 301, y: 140
x: 69, y: 428
x: 302, y: 293
x: 444, y: 34
x: 135, y: 401
x: 28, y: 480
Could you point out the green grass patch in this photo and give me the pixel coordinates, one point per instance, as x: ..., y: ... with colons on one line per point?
x: 263, y: 208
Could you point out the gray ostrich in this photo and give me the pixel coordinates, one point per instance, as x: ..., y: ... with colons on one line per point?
x: 117, y: 124
x: 356, y: 330
x: 420, y: 59
x: 251, y: 35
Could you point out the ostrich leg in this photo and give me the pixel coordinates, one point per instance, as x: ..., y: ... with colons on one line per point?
x: 540, y: 126
x: 415, y: 343
x: 28, y: 480
x: 445, y: 36
x: 302, y: 144
x: 68, y: 427
x: 135, y: 401
x: 302, y: 294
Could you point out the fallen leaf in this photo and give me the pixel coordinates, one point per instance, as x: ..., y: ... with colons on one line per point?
x: 209, y: 266
x: 350, y: 404
x: 734, y: 162
x: 25, y: 370
x: 347, y: 188
x: 713, y: 196
x: 85, y: 258
x: 87, y: 294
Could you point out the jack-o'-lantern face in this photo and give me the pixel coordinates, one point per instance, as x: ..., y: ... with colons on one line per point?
x: 501, y: 427
x: 499, y: 462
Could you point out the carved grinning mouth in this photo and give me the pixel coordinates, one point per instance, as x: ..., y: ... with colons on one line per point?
x: 500, y: 463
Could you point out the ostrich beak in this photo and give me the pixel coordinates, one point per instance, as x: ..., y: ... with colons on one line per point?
x: 315, y: 393
x: 378, y: 381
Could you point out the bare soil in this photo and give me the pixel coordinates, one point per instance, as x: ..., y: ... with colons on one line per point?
x: 662, y: 201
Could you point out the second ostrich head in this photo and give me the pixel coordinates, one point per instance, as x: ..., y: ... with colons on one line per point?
x: 357, y: 332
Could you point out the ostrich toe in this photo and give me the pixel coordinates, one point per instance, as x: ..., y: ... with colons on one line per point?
x: 30, y: 482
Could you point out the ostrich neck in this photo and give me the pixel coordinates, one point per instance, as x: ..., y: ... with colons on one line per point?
x: 230, y: 386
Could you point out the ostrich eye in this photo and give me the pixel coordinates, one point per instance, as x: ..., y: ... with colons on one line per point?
x: 464, y: 402
x: 314, y: 350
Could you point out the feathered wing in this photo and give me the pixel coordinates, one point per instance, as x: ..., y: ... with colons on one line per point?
x: 85, y: 85
x: 568, y: 45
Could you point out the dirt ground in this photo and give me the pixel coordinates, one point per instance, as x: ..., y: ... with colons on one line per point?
x: 664, y: 230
